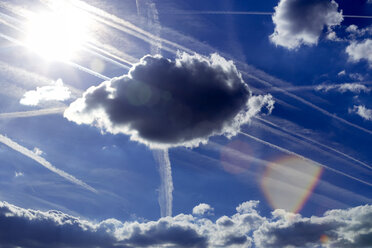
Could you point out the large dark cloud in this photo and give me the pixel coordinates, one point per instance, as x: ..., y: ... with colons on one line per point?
x: 300, y: 22
x: 164, y: 103
x: 349, y: 228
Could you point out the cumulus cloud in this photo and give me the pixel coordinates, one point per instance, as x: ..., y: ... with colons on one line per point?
x: 164, y: 103
x: 246, y: 228
x: 352, y: 87
x: 202, y: 209
x: 300, y: 22
x: 362, y: 111
x: 358, y: 51
x: 55, y: 92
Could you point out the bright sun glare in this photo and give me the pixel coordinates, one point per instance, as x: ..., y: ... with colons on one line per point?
x: 57, y: 34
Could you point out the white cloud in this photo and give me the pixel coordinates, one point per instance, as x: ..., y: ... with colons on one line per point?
x: 300, y: 22
x: 38, y: 151
x: 352, y: 87
x: 55, y: 92
x: 164, y: 103
x: 360, y: 51
x: 362, y: 111
x: 341, y: 73
x: 202, y: 209
x: 246, y: 228
x: 18, y: 174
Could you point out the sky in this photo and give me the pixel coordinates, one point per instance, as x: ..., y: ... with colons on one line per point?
x: 145, y: 123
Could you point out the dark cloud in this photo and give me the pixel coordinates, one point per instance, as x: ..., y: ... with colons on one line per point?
x: 164, y: 103
x: 349, y: 228
x: 300, y: 22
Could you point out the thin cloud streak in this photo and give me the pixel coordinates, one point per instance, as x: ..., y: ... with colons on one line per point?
x: 28, y: 153
x: 32, y: 113
x: 304, y: 158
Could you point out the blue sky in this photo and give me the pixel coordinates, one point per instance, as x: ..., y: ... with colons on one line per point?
x: 185, y: 123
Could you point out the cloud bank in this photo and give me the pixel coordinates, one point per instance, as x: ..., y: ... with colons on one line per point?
x: 246, y: 228
x: 300, y: 22
x: 164, y: 103
x: 55, y: 92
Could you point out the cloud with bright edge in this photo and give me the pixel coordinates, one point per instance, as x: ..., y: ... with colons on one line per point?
x: 337, y: 228
x: 167, y: 103
x: 358, y: 51
x: 202, y: 209
x: 299, y: 22
x: 362, y: 111
x: 342, y: 88
x: 55, y: 92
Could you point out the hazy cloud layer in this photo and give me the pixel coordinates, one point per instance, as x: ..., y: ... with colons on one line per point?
x: 352, y: 87
x: 300, y: 22
x: 164, y: 103
x: 363, y: 112
x: 336, y: 229
x: 360, y: 51
x: 55, y: 92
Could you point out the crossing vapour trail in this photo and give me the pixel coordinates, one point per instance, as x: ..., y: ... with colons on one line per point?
x: 304, y: 158
x: 32, y: 113
x: 314, y: 142
x: 23, y: 150
x: 166, y: 186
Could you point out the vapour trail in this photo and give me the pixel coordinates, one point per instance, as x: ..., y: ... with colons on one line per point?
x: 32, y: 113
x: 23, y: 150
x: 249, y: 13
x: 127, y: 64
x: 300, y: 99
x: 314, y: 141
x: 166, y: 185
x: 304, y: 158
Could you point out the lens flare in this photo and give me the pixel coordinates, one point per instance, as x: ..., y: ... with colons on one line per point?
x: 288, y: 183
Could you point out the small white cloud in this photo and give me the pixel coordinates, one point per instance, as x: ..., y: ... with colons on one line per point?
x: 341, y: 73
x: 38, y: 151
x: 300, y: 22
x: 55, y: 92
x: 18, y: 174
x: 362, y: 111
x: 202, y: 209
x: 352, y: 87
x: 358, y: 51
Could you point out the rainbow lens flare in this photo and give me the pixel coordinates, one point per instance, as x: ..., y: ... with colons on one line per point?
x: 289, y: 181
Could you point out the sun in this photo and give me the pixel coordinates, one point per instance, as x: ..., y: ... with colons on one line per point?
x: 57, y: 34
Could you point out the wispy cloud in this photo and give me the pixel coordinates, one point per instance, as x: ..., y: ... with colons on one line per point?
x: 352, y: 87
x: 32, y: 155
